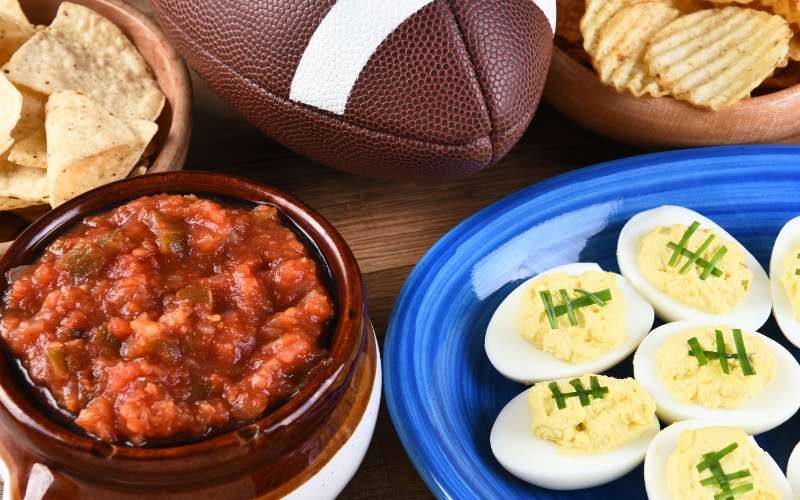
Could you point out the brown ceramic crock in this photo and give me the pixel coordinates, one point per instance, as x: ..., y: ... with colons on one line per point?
x: 267, y: 458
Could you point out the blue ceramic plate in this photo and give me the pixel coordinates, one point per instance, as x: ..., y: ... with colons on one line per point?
x: 442, y: 392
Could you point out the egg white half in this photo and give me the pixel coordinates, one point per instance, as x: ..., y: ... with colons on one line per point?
x: 655, y: 462
x: 519, y: 360
x: 540, y: 462
x: 787, y: 240
x: 793, y: 471
x: 777, y: 402
x: 749, y: 314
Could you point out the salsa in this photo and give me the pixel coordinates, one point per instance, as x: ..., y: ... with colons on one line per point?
x: 169, y: 317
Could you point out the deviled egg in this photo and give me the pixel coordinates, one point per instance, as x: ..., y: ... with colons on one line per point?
x: 598, y: 425
x: 697, y: 370
x: 784, y: 274
x: 688, y: 267
x: 701, y: 459
x: 570, y: 320
x: 793, y: 470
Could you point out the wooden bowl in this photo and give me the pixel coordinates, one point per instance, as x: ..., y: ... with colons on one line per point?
x: 271, y: 456
x: 664, y: 122
x: 175, y: 122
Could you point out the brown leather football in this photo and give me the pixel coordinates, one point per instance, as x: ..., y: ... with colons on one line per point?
x: 384, y: 88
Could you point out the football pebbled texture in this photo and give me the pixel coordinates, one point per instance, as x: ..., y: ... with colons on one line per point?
x: 399, y: 89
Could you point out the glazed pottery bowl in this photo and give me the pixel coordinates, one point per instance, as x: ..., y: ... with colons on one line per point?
x: 283, y: 452
x: 664, y: 122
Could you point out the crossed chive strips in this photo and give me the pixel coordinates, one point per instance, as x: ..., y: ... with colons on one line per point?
x: 709, y: 267
x: 720, y: 478
x: 568, y: 306
x: 721, y: 353
x: 595, y: 391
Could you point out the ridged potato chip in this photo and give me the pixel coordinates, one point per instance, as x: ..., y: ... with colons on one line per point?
x: 596, y: 15
x: 569, y: 18
x: 689, y: 6
x: 713, y: 58
x: 788, y: 9
x: 621, y: 43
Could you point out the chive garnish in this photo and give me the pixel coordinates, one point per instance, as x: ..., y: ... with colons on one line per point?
x: 548, y: 308
x: 721, y: 354
x: 595, y: 297
x: 715, y: 456
x: 723, y: 358
x: 697, y: 351
x: 720, y: 478
x: 741, y: 353
x: 730, y: 477
x: 729, y: 494
x: 677, y: 250
x: 561, y: 400
x: 797, y: 272
x: 700, y: 261
x: 588, y: 298
x: 583, y: 396
x: 573, y: 320
x: 595, y: 391
x: 689, y: 263
x: 715, y: 259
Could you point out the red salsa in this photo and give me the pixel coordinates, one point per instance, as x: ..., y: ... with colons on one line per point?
x: 169, y: 317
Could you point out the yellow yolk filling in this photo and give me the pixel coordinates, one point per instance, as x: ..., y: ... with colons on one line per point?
x: 599, y: 329
x: 708, y: 385
x: 683, y: 478
x: 620, y: 416
x: 715, y: 294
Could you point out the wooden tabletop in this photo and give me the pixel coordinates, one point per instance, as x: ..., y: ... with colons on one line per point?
x: 389, y: 225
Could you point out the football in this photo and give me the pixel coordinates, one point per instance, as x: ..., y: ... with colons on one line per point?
x: 399, y: 89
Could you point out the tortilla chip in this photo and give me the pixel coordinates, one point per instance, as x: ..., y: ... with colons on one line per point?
x: 87, y: 146
x: 21, y: 187
x: 30, y: 148
x: 10, y: 112
x: 11, y: 8
x: 13, y: 34
x: 31, y: 151
x: 87, y: 53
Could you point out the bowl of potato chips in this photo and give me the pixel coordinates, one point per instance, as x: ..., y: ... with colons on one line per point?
x: 667, y: 73
x: 90, y: 92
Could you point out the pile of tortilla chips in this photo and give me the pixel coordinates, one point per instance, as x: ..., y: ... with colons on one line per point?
x: 78, y: 106
x: 710, y: 53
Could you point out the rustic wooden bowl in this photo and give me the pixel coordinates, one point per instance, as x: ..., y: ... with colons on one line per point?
x: 650, y: 122
x: 269, y: 457
x: 175, y: 123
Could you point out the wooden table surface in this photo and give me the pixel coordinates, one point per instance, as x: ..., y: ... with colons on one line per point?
x: 388, y: 225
